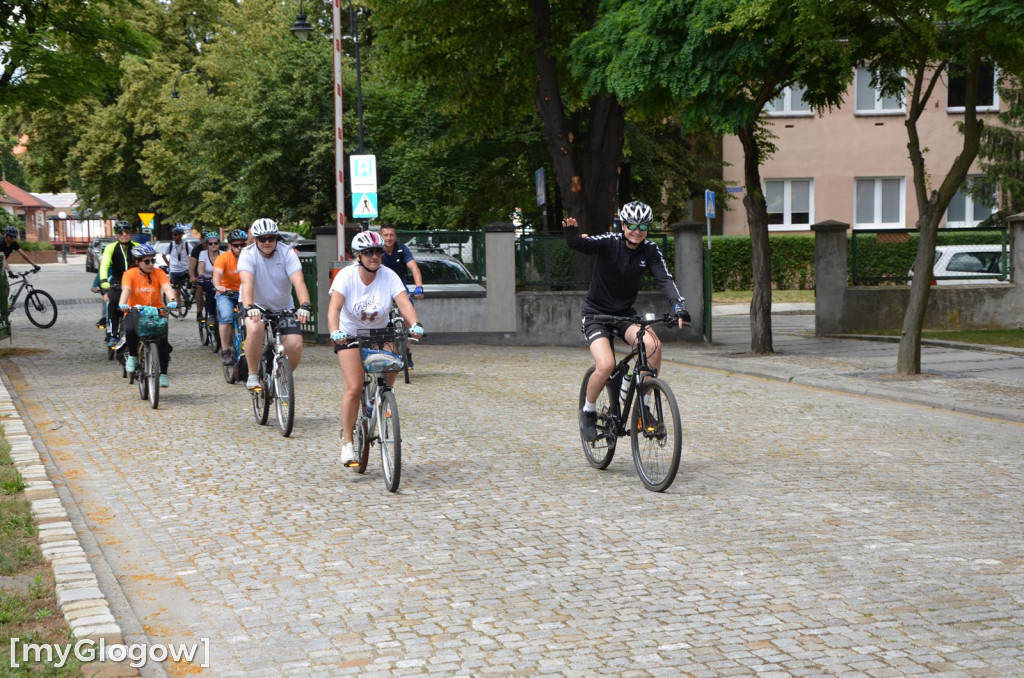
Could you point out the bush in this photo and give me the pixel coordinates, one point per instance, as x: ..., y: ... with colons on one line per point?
x: 34, y: 246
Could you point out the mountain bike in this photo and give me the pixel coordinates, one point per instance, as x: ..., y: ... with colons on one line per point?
x: 147, y: 373
x: 641, y: 405
x: 40, y: 307
x: 239, y: 370
x: 377, y: 421
x: 186, y: 299
x: 276, y: 382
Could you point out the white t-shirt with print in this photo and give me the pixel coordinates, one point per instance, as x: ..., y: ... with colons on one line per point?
x: 272, y: 288
x: 366, y: 306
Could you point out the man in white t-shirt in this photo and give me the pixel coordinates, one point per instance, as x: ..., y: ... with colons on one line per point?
x: 177, y: 259
x: 268, y: 272
x: 360, y: 299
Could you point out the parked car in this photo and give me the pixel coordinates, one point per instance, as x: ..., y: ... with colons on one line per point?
x: 445, y: 276
x: 95, y: 253
x: 970, y: 265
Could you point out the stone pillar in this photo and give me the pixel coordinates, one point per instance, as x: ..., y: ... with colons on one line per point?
x: 1016, y: 223
x: 326, y: 251
x: 829, y: 276
x: 689, y: 270
x: 500, y: 246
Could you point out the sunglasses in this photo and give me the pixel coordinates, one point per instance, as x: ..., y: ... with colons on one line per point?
x: 633, y: 227
x: 145, y: 261
x: 122, y: 232
x: 374, y: 252
x: 267, y: 238
x: 213, y: 244
x: 237, y: 244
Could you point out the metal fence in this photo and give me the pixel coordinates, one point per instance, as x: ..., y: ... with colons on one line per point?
x: 545, y: 263
x: 962, y: 255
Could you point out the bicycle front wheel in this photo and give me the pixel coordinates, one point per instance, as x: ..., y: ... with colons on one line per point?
x: 40, y: 309
x: 390, y: 441
x: 284, y: 396
x: 657, y: 435
x: 204, y: 331
x: 260, y: 402
x: 139, y: 375
x: 153, y: 375
x: 599, y: 452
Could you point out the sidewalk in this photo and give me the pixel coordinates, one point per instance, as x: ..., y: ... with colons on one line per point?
x: 984, y: 380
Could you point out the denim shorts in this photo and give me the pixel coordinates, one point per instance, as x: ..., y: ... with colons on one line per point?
x: 226, y: 307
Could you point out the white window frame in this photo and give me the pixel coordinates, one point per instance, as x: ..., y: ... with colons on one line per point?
x: 876, y: 108
x: 969, y: 206
x: 786, y: 111
x: 902, y: 223
x: 994, y: 108
x: 787, y: 205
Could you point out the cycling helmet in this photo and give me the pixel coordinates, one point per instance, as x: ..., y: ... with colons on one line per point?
x: 636, y: 213
x: 122, y: 227
x: 237, y: 234
x: 11, y: 231
x: 263, y: 227
x: 143, y: 250
x: 211, y: 235
x: 367, y: 240
x: 178, y: 228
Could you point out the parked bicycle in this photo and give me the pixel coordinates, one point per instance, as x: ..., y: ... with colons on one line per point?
x: 150, y: 330
x: 40, y: 308
x: 641, y: 405
x: 377, y: 421
x: 276, y: 382
x: 239, y: 370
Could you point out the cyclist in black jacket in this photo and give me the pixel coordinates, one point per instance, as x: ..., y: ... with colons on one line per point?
x: 622, y: 259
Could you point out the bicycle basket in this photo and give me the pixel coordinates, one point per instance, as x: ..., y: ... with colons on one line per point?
x: 382, y: 349
x: 150, y: 323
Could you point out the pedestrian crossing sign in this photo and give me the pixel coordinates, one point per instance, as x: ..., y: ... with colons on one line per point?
x: 364, y: 205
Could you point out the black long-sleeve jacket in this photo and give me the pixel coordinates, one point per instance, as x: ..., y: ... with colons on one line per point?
x: 619, y: 270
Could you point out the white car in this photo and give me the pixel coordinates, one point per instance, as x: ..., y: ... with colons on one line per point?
x: 970, y: 265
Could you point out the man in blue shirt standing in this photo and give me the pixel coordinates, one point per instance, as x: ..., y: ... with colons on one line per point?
x: 399, y: 259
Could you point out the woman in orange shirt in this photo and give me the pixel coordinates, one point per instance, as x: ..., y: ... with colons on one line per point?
x: 227, y: 281
x: 145, y: 285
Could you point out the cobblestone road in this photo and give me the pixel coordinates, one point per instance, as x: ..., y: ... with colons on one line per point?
x: 808, y: 533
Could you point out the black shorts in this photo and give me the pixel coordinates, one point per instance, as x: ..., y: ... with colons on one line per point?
x: 593, y: 330
x: 288, y: 325
x: 341, y: 347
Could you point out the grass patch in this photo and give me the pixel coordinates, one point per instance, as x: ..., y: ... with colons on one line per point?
x: 28, y: 602
x: 778, y: 296
x: 1011, y: 338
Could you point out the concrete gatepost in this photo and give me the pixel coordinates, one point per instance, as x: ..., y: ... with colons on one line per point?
x: 500, y: 246
x: 689, y: 270
x: 829, y: 276
x: 326, y: 256
x: 1016, y: 223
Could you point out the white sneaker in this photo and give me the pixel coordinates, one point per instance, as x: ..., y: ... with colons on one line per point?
x: 348, y: 455
x: 252, y: 382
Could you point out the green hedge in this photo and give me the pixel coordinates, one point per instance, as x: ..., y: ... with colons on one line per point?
x: 34, y: 246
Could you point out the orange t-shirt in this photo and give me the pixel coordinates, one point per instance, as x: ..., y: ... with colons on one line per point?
x: 228, y: 264
x: 145, y: 290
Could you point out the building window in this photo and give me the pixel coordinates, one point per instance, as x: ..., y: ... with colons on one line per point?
x: 879, y: 203
x: 869, y: 101
x: 789, y: 103
x: 988, y: 93
x: 966, y: 210
x: 790, y: 204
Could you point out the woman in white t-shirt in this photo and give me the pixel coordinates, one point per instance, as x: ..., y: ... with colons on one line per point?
x: 360, y: 299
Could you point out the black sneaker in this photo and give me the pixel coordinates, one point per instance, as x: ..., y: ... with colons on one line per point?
x: 588, y: 424
x: 651, y: 421
x: 227, y: 357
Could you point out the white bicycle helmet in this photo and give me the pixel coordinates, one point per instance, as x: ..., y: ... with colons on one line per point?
x: 263, y: 227
x: 367, y: 240
x: 636, y: 213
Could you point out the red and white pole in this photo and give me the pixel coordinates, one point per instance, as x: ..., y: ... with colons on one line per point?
x: 339, y: 151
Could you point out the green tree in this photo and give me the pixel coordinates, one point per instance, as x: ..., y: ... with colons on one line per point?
x: 718, y: 63
x: 923, y: 41
x: 1001, y: 153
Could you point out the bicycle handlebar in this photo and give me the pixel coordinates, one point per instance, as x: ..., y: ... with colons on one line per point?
x: 646, y: 321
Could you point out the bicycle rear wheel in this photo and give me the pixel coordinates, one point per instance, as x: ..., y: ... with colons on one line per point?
x: 390, y: 441
x: 284, y: 396
x: 599, y: 452
x: 153, y: 375
x: 40, y: 309
x: 658, y: 439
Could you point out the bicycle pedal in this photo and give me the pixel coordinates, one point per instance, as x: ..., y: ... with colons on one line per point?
x: 352, y: 464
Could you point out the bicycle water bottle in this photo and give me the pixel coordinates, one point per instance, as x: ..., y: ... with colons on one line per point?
x: 624, y: 388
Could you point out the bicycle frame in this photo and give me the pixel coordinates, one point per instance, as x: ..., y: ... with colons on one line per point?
x: 620, y: 407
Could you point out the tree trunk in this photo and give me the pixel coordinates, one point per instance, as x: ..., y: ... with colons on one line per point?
x: 757, y: 223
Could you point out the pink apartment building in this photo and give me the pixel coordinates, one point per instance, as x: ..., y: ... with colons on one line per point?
x: 851, y: 164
